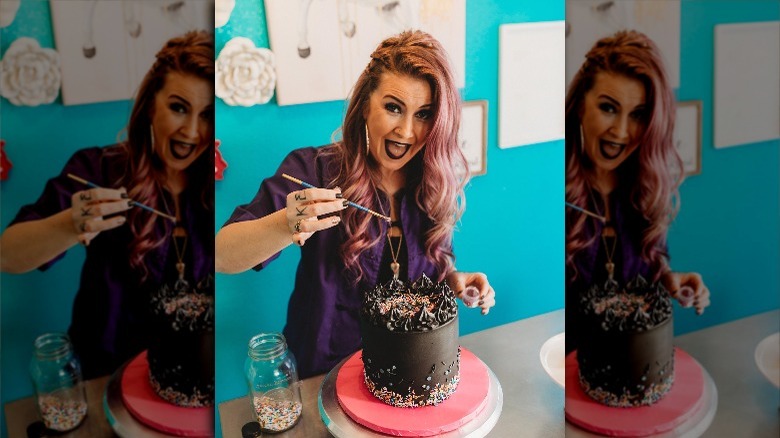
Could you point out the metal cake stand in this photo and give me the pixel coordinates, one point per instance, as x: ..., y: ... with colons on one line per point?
x: 120, y: 419
x: 341, y: 425
x: 690, y: 428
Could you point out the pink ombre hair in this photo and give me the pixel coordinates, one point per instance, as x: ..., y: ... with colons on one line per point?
x: 653, y: 172
x: 439, y: 190
x: 193, y: 54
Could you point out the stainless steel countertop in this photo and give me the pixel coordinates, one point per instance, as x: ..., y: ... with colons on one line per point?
x: 747, y: 402
x: 533, y: 402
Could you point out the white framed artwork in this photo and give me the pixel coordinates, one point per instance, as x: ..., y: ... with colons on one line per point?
x: 472, y: 136
x: 107, y: 46
x: 322, y: 46
x: 687, y: 135
x: 530, y: 77
x: 587, y: 21
x: 747, y: 68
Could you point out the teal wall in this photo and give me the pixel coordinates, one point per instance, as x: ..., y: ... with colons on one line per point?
x: 511, y: 230
x: 39, y: 140
x: 727, y: 228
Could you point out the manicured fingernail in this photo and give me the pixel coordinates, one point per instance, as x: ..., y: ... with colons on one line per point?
x: 339, y: 195
x: 480, y: 302
x: 124, y: 195
x: 130, y: 203
x: 121, y: 219
x: 336, y: 220
x: 345, y: 203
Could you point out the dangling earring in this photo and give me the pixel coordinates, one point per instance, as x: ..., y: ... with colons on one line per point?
x: 582, y: 139
x: 368, y: 142
x: 151, y: 135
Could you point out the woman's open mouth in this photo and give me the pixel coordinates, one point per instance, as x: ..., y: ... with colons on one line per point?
x: 396, y: 150
x: 181, y: 150
x: 611, y: 150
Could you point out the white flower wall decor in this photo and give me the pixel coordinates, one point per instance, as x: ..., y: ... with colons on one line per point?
x: 244, y: 74
x: 222, y: 11
x: 30, y: 75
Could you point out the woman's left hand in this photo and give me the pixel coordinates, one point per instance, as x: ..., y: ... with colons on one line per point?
x: 688, y: 289
x: 458, y: 281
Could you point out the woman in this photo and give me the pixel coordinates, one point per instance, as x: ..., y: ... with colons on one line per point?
x: 621, y: 165
x: 397, y: 156
x: 134, y: 258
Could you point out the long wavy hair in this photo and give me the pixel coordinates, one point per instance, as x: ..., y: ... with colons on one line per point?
x: 192, y: 54
x: 653, y: 173
x: 438, y: 187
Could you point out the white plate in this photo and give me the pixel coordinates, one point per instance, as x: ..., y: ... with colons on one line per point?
x: 768, y: 358
x: 553, y: 357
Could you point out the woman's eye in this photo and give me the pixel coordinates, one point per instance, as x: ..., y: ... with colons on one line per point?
x: 638, y: 115
x: 178, y: 108
x: 424, y: 114
x: 393, y: 108
x: 607, y: 108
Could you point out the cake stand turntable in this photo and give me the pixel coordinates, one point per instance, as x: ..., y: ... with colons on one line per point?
x: 133, y: 409
x: 341, y: 425
x: 686, y: 411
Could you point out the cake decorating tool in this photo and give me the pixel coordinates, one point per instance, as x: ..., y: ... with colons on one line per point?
x: 134, y: 203
x: 597, y: 216
x: 350, y: 203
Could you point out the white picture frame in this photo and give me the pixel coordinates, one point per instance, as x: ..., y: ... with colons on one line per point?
x: 687, y: 135
x: 587, y: 21
x: 322, y: 46
x: 107, y: 46
x: 747, y: 68
x: 530, y: 76
x: 472, y: 137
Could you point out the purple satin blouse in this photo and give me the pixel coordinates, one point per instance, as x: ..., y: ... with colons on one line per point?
x: 322, y: 317
x: 110, y: 319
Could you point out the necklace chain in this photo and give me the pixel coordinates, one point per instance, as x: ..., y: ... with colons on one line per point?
x: 181, y: 283
x: 610, y: 265
x: 395, y: 267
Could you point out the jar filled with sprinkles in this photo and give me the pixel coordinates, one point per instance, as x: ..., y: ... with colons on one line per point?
x: 272, y: 376
x: 56, y: 377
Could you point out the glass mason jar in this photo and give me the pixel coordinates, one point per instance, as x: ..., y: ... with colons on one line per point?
x: 272, y: 375
x: 56, y: 377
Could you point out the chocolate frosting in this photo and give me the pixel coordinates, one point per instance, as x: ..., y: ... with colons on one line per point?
x: 640, y: 306
x: 423, y: 306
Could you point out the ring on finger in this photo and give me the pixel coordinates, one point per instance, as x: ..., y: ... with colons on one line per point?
x: 298, y: 226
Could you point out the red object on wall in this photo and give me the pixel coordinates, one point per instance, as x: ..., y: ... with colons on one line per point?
x: 219, y: 163
x: 5, y: 163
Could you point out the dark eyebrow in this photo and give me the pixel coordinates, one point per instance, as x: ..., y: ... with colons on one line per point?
x: 641, y: 106
x: 609, y: 98
x: 176, y: 96
x: 401, y: 102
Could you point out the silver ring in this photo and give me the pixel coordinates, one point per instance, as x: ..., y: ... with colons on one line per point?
x: 298, y: 226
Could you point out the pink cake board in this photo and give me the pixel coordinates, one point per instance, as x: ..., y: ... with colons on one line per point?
x: 148, y: 408
x: 684, y: 400
x: 462, y: 406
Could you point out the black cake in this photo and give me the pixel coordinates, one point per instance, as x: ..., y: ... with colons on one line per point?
x: 181, y: 357
x: 411, y: 356
x: 626, y: 355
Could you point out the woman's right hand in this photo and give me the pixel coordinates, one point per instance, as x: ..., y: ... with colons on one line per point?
x: 90, y: 207
x: 304, y: 207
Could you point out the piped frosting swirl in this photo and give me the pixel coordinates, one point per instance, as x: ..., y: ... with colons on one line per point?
x: 423, y: 306
x: 639, y: 306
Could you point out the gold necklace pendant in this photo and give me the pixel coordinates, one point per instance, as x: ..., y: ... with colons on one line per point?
x: 396, y: 268
x: 610, y: 270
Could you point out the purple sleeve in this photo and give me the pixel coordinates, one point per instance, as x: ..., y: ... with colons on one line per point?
x: 272, y: 196
x: 58, y: 190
